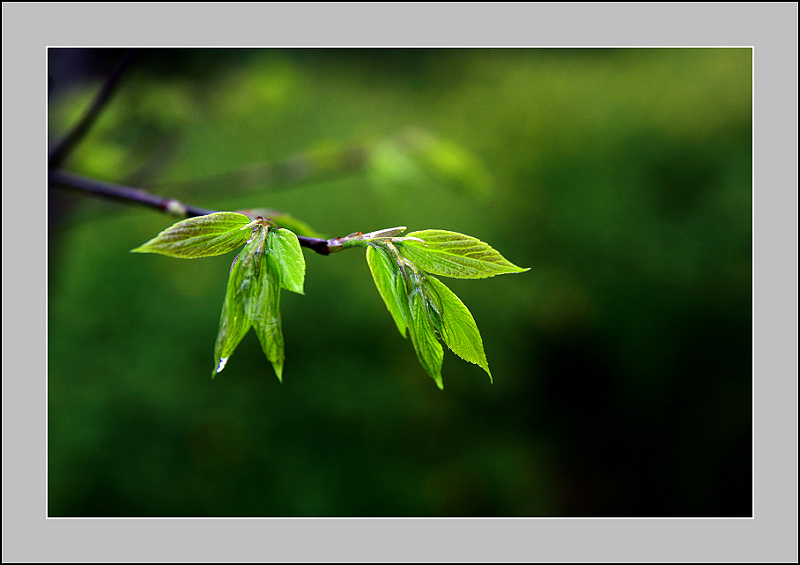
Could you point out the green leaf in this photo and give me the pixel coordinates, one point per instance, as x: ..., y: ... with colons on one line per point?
x: 459, y: 331
x: 429, y: 350
x: 391, y: 285
x: 456, y: 255
x: 237, y: 309
x: 290, y: 263
x: 201, y: 236
x: 266, y: 314
x: 252, y: 299
x: 233, y: 326
x: 428, y: 312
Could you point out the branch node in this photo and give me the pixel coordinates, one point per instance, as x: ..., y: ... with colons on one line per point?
x: 175, y: 208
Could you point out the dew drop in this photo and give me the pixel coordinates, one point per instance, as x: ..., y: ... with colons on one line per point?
x: 222, y: 364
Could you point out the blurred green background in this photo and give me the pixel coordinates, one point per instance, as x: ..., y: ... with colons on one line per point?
x: 621, y: 360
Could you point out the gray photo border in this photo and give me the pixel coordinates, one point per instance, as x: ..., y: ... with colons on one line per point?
x: 28, y: 29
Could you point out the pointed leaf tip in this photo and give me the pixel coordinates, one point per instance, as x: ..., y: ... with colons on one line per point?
x: 278, y: 372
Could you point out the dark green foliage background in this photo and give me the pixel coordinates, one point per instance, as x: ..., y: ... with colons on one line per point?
x: 621, y: 361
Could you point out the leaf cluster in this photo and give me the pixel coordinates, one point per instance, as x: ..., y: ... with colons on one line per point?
x: 270, y: 260
x: 404, y: 269
x: 421, y: 305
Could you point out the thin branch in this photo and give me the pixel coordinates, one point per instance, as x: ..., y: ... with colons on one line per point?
x: 130, y: 195
x: 120, y: 193
x: 61, y: 150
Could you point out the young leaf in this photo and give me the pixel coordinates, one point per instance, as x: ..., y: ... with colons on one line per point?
x: 201, y: 236
x: 390, y: 284
x: 236, y: 319
x: 252, y: 299
x: 233, y: 326
x: 290, y: 263
x: 266, y: 314
x: 429, y: 350
x: 459, y: 331
x: 456, y: 255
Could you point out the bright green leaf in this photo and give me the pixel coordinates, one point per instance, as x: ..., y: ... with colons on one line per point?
x: 236, y: 317
x: 456, y: 255
x: 429, y: 350
x: 201, y: 236
x: 233, y: 326
x: 252, y: 299
x: 290, y: 263
x: 266, y: 314
x: 459, y: 331
x: 391, y: 286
